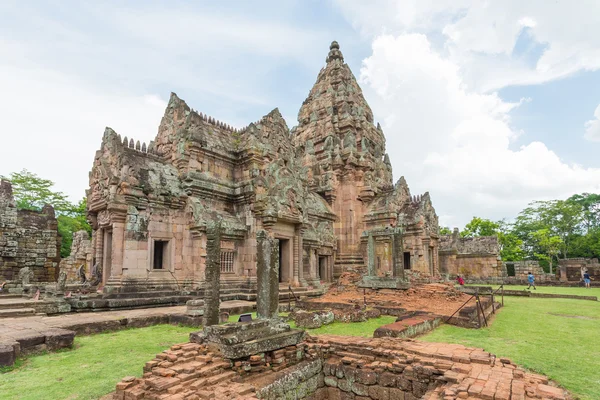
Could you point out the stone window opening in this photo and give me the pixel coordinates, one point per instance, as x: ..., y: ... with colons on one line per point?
x: 406, y: 260
x: 227, y: 262
x: 160, y: 254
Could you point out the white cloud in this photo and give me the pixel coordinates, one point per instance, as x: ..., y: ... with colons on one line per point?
x: 455, y: 142
x: 480, y: 36
x: 67, y: 71
x: 592, y: 127
x: 53, y: 124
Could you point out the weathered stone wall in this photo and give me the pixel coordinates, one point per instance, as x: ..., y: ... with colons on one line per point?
x: 471, y: 265
x: 572, y: 269
x: 470, y: 245
x: 81, y: 254
x: 523, y: 268
x: 27, y: 239
x: 473, y: 257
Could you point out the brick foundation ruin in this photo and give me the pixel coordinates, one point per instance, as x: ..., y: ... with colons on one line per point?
x: 336, y: 368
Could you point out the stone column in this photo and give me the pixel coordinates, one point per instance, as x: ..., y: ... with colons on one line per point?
x: 371, y: 255
x: 213, y: 276
x: 298, y: 264
x: 274, y: 282
x: 267, y: 297
x: 397, y: 254
x: 118, y: 242
x: 99, y: 238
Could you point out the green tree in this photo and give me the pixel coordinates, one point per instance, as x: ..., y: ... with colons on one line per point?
x: 561, y: 218
x: 32, y: 192
x: 549, y: 243
x: 444, y: 230
x: 511, y: 246
x: 590, y: 205
x: 480, y: 227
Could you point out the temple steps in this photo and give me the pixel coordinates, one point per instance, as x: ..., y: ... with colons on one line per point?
x: 132, y: 295
x: 17, y: 312
x: 348, y: 262
x: 15, y: 303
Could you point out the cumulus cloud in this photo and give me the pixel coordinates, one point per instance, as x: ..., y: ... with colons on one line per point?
x: 55, y: 124
x: 67, y: 71
x: 592, y: 127
x: 456, y: 142
x: 481, y: 36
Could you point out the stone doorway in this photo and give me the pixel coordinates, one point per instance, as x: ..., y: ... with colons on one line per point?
x: 285, y: 263
x: 323, y: 276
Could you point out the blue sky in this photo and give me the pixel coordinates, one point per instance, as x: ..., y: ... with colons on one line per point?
x: 486, y: 105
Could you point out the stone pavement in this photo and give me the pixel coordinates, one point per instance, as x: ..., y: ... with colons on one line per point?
x: 12, y: 328
x: 35, y: 333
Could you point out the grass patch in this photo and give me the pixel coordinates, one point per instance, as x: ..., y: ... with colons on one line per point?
x: 556, y: 337
x: 92, y: 368
x: 577, y: 291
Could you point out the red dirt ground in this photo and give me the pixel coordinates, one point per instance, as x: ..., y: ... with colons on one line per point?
x: 438, y: 298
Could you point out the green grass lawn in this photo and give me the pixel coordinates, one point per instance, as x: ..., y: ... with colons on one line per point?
x: 92, y: 368
x: 556, y: 337
x: 578, y: 291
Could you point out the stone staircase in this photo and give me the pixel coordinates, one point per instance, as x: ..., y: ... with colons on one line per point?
x: 12, y: 306
x: 230, y: 290
x: 352, y: 262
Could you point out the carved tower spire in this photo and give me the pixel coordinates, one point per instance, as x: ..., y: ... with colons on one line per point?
x: 345, y: 150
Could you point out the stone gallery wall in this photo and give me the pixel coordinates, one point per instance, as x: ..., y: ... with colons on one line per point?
x: 572, y: 269
x: 27, y: 239
x: 476, y: 257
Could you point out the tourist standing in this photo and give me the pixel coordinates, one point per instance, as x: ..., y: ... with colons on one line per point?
x: 531, y: 280
x: 587, y: 279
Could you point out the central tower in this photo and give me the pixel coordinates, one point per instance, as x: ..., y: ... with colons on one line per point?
x: 344, y: 150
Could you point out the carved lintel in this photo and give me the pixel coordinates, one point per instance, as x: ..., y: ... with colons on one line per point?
x: 103, y: 218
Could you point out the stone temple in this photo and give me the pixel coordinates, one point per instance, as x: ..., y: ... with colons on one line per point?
x: 323, y: 190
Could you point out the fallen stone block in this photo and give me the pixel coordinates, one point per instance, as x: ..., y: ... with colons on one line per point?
x: 58, y: 338
x: 7, y: 355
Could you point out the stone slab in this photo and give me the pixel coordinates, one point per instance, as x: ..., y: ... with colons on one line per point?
x: 377, y: 282
x: 257, y: 346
